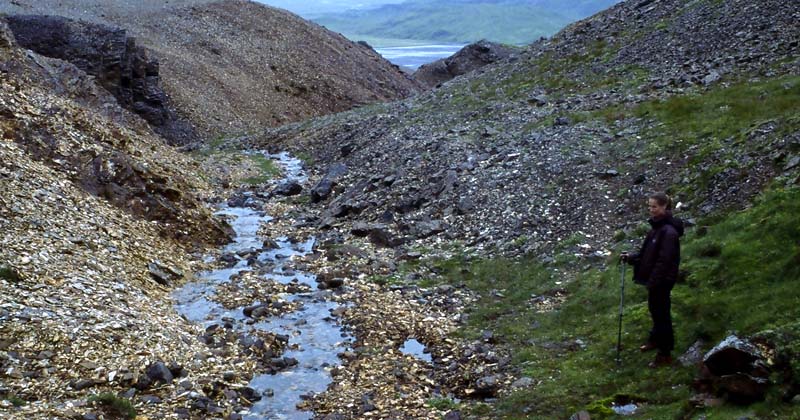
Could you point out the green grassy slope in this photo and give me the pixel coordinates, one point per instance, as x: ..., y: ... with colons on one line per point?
x: 743, y: 278
x: 506, y: 21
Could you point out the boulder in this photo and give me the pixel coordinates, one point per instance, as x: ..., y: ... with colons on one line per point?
x: 159, y: 372
x: 743, y: 388
x: 732, y: 355
x: 288, y: 188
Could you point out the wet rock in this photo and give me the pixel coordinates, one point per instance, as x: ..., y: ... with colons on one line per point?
x: 250, y: 394
x: 270, y: 244
x: 334, y: 416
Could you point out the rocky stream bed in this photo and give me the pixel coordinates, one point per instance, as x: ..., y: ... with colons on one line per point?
x: 266, y: 295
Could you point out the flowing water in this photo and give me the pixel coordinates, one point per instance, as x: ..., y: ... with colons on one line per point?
x: 415, y: 56
x: 316, y: 338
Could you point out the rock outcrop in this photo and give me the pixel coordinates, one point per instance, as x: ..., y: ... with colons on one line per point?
x: 259, y: 66
x: 467, y: 59
x: 118, y: 64
x: 59, y: 116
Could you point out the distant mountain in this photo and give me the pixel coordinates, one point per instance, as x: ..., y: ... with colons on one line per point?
x: 463, y: 21
x: 310, y: 9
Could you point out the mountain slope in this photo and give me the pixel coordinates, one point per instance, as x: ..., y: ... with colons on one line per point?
x: 520, y: 182
x: 259, y: 65
x: 460, y: 21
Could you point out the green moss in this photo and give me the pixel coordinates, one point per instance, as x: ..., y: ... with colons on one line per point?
x: 121, y: 406
x: 9, y: 273
x: 443, y: 404
x: 704, y: 118
x: 16, y: 401
x: 268, y: 169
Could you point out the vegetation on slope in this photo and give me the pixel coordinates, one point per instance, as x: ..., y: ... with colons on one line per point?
x: 743, y: 275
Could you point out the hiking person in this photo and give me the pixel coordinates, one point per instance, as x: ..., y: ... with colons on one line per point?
x: 656, y: 267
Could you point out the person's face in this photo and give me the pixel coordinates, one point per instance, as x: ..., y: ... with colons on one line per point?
x: 656, y: 210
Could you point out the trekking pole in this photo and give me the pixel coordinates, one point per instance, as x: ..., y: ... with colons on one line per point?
x: 621, y: 303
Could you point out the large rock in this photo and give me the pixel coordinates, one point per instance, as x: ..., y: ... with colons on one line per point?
x: 740, y: 373
x: 469, y: 58
x: 118, y: 63
x: 732, y: 355
x: 323, y: 189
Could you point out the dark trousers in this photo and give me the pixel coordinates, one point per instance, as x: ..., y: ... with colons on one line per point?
x: 658, y: 301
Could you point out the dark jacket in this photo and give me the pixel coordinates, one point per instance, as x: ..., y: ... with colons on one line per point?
x: 656, y: 263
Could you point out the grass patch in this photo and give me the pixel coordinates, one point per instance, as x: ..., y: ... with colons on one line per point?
x: 443, y: 404
x: 748, y: 285
x: 16, y: 401
x: 705, y: 118
x: 120, y: 406
x: 266, y: 166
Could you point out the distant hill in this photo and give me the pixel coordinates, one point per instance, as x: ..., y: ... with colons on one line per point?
x: 463, y: 21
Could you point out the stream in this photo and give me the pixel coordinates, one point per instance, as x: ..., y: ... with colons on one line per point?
x: 315, y: 336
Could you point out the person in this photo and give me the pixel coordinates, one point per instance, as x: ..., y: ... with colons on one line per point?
x: 656, y: 267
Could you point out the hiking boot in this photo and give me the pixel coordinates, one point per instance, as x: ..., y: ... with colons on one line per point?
x: 661, y: 360
x: 648, y: 346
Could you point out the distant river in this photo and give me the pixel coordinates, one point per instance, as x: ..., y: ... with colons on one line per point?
x: 413, y: 57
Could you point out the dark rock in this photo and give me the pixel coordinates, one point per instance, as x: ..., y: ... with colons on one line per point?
x: 561, y: 121
x: 487, y: 386
x: 158, y: 372
x: 121, y: 66
x: 150, y: 399
x: 334, y: 416
x: 159, y: 274
x: 732, y: 355
x: 383, y: 238
x: 742, y: 388
x: 288, y: 188
x: 427, y: 229
x: 82, y: 384
x: 538, y: 100
x: 322, y: 190
x: 332, y: 283
x: 250, y: 394
x: 453, y: 415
